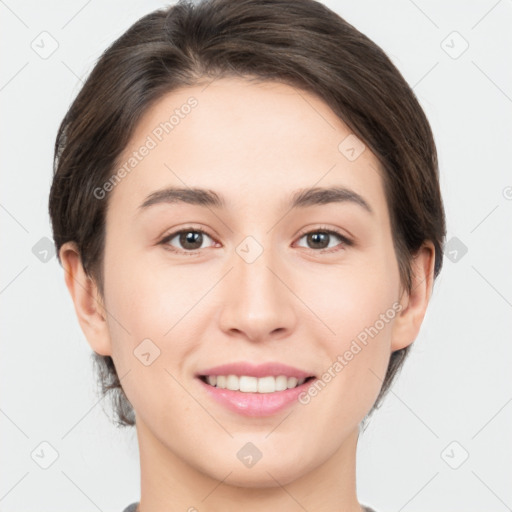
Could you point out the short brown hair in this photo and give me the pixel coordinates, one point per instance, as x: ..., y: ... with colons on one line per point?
x: 301, y: 43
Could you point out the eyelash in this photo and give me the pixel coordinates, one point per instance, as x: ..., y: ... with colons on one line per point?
x: 321, y: 229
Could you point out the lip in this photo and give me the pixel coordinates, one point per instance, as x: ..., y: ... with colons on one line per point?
x: 262, y: 370
x: 255, y: 404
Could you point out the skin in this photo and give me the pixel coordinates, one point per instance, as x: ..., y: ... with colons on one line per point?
x: 254, y: 144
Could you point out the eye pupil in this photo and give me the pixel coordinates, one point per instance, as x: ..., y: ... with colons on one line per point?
x: 191, y: 237
x: 191, y: 240
x: 319, y: 237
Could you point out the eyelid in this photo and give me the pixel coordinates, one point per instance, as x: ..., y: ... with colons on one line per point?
x: 325, y: 229
x: 347, y: 241
x: 166, y: 238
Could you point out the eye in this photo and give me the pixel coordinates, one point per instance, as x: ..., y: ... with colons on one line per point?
x: 321, y: 238
x: 191, y: 240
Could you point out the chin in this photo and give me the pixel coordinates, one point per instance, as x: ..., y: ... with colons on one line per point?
x: 271, y: 473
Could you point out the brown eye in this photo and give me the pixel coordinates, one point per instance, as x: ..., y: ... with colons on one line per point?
x: 319, y: 240
x: 188, y: 240
x: 322, y: 238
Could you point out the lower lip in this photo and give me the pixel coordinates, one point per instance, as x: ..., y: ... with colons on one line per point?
x: 255, y: 404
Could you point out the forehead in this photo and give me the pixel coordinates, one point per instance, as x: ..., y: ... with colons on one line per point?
x: 248, y: 142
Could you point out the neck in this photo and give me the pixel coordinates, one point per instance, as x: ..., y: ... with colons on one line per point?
x: 169, y: 483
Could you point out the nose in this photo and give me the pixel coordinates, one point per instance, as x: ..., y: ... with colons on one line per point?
x: 257, y: 301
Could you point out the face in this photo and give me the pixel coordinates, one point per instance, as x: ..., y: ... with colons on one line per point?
x: 254, y: 280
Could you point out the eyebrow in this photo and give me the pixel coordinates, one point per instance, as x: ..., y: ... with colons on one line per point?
x: 300, y: 199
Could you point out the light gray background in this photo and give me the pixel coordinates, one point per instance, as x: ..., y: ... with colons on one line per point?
x: 456, y: 386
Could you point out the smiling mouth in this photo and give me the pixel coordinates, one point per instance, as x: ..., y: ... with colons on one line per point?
x: 247, y: 384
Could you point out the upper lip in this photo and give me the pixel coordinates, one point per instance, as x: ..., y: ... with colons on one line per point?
x: 251, y: 370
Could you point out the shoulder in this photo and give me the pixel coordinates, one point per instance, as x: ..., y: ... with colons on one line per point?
x: 133, y: 508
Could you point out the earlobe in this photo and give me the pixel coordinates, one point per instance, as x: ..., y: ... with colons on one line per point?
x: 89, y: 306
x: 414, y: 303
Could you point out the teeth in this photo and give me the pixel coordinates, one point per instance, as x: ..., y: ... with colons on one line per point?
x: 253, y: 384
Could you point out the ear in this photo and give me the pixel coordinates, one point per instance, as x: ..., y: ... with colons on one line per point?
x: 89, y: 306
x: 414, y: 303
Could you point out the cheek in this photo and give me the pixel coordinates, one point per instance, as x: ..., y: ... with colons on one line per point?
x: 356, y: 357
x: 349, y: 299
x: 157, y: 312
x: 149, y: 296
x: 357, y: 307
x: 148, y: 307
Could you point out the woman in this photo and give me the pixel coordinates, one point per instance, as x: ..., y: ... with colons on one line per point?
x: 247, y: 208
